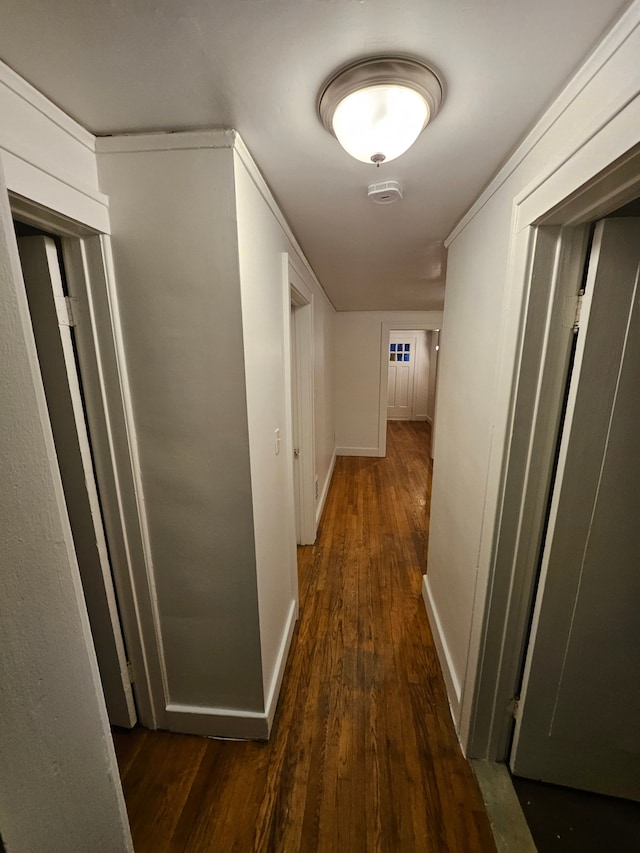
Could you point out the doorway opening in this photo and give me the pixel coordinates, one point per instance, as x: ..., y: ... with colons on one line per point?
x: 53, y: 324
x: 412, y: 370
x: 73, y: 311
x: 582, y: 644
x: 551, y: 243
x: 305, y: 487
x: 396, y: 382
x: 568, y: 730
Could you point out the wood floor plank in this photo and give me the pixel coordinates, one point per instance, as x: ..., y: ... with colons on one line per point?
x: 157, y: 785
x: 363, y: 757
x: 127, y: 746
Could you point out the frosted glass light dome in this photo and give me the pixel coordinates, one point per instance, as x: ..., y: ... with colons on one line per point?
x: 377, y: 108
x: 380, y: 123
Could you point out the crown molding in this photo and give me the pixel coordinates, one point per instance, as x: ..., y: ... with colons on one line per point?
x: 595, y: 61
x: 166, y: 140
x: 20, y: 87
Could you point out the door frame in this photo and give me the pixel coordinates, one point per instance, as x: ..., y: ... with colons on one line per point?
x: 386, y: 327
x: 415, y: 367
x: 548, y: 244
x: 576, y: 499
x: 90, y: 278
x: 298, y: 294
x: 56, y: 344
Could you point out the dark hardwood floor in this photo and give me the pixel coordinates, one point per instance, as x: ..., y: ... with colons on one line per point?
x: 363, y: 756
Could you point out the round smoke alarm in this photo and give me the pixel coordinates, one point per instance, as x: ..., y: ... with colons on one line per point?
x: 385, y: 192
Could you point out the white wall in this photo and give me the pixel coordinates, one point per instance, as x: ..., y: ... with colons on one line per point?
x: 260, y: 246
x: 357, y: 375
x: 591, y: 124
x: 173, y: 217
x: 263, y: 237
x: 198, y: 247
x: 59, y: 785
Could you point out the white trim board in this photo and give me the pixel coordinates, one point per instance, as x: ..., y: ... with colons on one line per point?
x: 165, y: 140
x: 48, y: 219
x: 448, y: 672
x: 27, y: 177
x: 19, y: 86
x: 216, y: 722
x: 49, y: 189
x: 281, y: 665
x: 145, y: 599
x: 357, y: 451
x: 47, y: 156
x: 325, y: 488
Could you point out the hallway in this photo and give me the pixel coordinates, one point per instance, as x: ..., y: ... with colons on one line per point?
x: 363, y: 756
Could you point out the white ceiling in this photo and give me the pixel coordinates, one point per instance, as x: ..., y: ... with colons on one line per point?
x: 257, y: 66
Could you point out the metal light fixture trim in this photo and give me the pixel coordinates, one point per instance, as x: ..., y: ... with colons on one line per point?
x: 381, y: 84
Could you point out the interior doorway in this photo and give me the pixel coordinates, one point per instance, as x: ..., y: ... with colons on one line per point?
x: 300, y: 301
x: 85, y: 267
x: 424, y: 407
x: 550, y: 242
x: 53, y: 324
x: 412, y: 373
x: 584, y: 647
x: 575, y: 757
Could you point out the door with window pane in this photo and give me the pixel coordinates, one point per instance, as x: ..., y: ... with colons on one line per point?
x: 402, y: 357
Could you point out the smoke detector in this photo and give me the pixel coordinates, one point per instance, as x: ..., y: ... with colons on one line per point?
x: 385, y: 192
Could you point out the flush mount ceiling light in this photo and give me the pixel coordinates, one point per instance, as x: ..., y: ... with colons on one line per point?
x: 377, y: 108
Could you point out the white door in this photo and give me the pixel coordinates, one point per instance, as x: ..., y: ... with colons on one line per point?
x: 579, y: 716
x: 56, y: 354
x: 402, y: 364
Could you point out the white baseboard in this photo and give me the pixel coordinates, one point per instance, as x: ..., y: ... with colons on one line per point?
x: 278, y: 674
x: 450, y: 678
x: 325, y: 490
x: 357, y: 451
x: 216, y: 722
x: 414, y: 418
x: 235, y: 723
